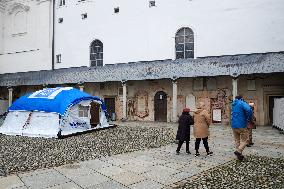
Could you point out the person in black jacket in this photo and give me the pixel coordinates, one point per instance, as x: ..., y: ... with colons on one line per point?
x: 183, y: 132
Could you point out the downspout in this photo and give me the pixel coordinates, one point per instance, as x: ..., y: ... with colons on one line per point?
x: 53, y: 31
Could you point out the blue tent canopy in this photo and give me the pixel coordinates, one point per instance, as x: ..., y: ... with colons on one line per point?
x: 53, y: 100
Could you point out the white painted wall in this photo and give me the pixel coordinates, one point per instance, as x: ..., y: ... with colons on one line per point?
x: 1, y: 26
x: 27, y: 36
x: 137, y: 32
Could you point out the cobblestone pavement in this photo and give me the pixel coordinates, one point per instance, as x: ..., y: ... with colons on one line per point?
x: 21, y: 154
x: 157, y: 167
x: 253, y: 172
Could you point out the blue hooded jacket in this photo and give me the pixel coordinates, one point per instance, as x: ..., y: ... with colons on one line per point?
x: 241, y: 114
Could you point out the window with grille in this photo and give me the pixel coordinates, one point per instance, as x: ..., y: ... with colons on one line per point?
x: 96, y: 53
x: 83, y: 111
x: 60, y: 20
x: 61, y: 2
x: 152, y: 3
x: 116, y: 10
x: 84, y: 16
x: 58, y: 58
x: 184, y: 43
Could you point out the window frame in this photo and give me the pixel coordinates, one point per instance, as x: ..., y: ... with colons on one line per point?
x: 61, y: 3
x: 58, y: 58
x: 83, y: 111
x: 184, y: 38
x: 152, y: 3
x: 98, y: 61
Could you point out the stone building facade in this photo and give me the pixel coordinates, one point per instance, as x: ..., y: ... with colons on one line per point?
x: 26, y: 33
x: 46, y: 43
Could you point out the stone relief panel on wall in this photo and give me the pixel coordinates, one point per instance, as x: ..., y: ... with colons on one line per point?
x: 141, y: 104
x: 131, y: 108
x: 221, y: 105
x: 19, y: 15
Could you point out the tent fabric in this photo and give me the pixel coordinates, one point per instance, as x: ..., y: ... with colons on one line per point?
x: 40, y: 124
x: 55, y: 100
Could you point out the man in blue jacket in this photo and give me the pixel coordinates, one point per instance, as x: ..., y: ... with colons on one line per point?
x: 241, y: 115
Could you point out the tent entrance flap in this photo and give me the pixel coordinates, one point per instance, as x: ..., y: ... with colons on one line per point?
x: 95, y: 114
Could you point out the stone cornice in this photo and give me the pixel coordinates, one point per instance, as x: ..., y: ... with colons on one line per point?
x: 42, y: 1
x: 2, y: 6
x: 16, y: 6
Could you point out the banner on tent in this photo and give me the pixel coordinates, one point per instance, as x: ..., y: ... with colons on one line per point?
x: 49, y: 93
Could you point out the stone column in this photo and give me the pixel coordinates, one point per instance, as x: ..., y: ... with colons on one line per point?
x: 81, y: 86
x: 235, y: 87
x: 174, y: 118
x: 124, y: 98
x: 10, y: 89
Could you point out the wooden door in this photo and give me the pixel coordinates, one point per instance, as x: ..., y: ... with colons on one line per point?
x: 110, y: 105
x: 160, y: 106
x: 95, y: 114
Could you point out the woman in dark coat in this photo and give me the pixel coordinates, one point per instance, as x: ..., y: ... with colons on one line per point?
x: 183, y: 132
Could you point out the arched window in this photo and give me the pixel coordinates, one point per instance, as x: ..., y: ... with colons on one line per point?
x: 20, y: 22
x: 184, y: 43
x: 96, y: 53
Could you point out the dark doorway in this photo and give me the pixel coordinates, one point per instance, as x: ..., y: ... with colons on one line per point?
x: 271, y: 106
x: 110, y: 106
x: 160, y: 106
x: 95, y: 114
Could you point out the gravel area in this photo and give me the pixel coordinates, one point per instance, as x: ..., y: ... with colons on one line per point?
x: 254, y: 172
x: 20, y: 154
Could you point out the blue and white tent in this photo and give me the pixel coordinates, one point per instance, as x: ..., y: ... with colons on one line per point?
x: 52, y: 112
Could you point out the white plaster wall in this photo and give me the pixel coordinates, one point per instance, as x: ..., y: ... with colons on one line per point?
x: 30, y: 50
x: 1, y: 27
x: 137, y: 32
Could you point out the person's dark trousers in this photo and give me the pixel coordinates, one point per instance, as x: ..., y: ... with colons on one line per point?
x: 205, y: 143
x: 180, y: 144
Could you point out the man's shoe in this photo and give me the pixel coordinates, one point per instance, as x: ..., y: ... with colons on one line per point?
x: 251, y: 144
x: 197, y: 154
x: 248, y: 145
x: 177, y: 153
x: 188, y: 152
x: 239, y: 155
x: 209, y: 153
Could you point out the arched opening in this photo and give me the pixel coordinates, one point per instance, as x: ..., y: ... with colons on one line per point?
x: 160, y: 106
x: 184, y: 43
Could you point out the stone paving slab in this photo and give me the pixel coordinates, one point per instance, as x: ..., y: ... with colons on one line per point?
x: 128, y: 178
x: 149, y: 184
x: 108, y: 185
x: 45, y: 179
x: 74, y: 170
x: 68, y: 185
x: 11, y: 182
x: 90, y: 180
x: 94, y: 164
x: 111, y: 171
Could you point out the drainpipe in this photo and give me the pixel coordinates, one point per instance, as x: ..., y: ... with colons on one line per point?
x: 53, y: 31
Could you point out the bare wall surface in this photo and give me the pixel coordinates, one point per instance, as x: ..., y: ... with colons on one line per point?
x: 142, y: 33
